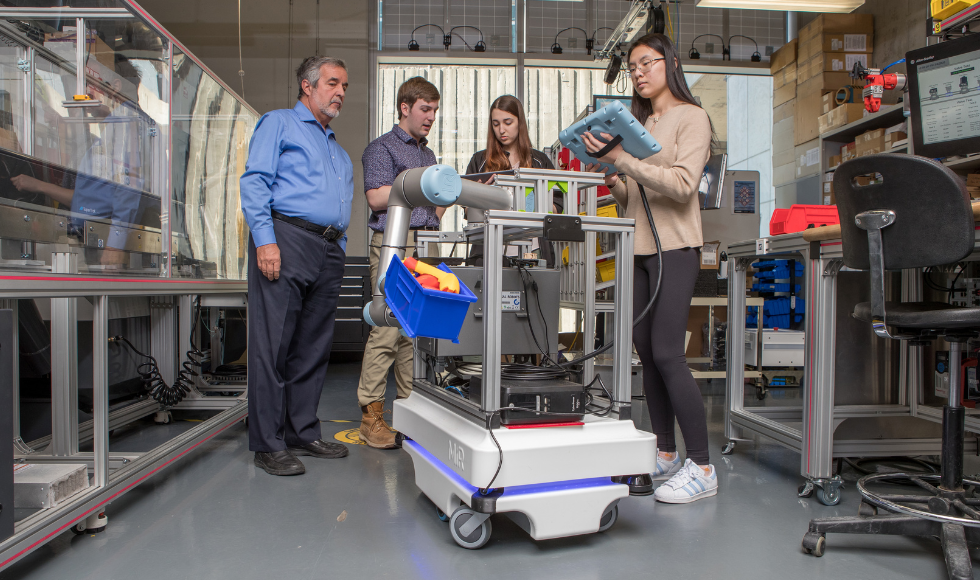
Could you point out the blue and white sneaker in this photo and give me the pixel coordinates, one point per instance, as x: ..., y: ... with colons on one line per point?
x: 689, y: 484
x: 666, y: 468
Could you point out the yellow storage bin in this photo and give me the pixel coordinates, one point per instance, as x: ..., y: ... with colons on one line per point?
x: 943, y: 9
x: 606, y: 269
x: 610, y: 210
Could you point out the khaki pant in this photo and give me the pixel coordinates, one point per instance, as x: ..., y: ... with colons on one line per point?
x: 385, y: 345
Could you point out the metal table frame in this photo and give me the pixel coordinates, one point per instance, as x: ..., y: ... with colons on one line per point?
x: 818, y: 414
x: 503, y: 227
x: 112, y: 473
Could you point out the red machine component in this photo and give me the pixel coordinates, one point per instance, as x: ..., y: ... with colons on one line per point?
x: 876, y: 83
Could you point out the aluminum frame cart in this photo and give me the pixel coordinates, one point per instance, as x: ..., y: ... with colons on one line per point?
x: 819, y: 416
x: 553, y: 481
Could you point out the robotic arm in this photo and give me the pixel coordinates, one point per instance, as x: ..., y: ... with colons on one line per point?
x: 436, y: 185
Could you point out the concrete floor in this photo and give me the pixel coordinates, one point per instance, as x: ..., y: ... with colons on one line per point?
x: 215, y: 515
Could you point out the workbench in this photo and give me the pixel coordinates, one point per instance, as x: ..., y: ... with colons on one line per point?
x: 895, y: 394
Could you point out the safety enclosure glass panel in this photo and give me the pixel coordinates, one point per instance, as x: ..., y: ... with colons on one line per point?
x: 82, y: 164
x: 211, y: 133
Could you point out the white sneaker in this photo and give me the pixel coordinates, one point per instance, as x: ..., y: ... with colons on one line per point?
x: 689, y: 484
x: 666, y: 468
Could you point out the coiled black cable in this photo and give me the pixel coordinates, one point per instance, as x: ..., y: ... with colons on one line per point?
x: 149, y: 371
x: 656, y: 291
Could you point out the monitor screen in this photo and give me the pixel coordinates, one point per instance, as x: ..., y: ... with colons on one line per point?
x: 944, y: 90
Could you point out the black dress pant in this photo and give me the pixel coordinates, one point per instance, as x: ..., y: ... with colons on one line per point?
x: 290, y: 333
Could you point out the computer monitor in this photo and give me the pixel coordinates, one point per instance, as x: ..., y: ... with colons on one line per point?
x: 712, y: 182
x: 944, y: 95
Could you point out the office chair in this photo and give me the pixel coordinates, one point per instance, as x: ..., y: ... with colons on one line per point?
x: 917, y: 216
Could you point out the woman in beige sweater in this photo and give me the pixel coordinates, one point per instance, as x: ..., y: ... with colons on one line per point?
x: 669, y: 180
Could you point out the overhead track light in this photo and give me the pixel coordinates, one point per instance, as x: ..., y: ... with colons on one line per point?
x: 756, y: 57
x: 447, y: 39
x: 725, y: 52
x: 784, y: 5
x: 556, y: 48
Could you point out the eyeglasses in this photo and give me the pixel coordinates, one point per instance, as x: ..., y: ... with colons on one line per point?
x: 645, y: 66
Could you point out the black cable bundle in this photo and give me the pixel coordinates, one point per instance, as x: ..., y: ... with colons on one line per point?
x: 149, y: 372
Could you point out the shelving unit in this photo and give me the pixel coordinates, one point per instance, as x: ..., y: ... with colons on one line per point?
x: 831, y: 142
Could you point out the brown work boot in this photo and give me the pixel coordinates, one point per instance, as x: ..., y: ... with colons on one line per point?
x: 375, y: 430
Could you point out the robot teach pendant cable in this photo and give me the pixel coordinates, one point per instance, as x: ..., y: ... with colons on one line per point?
x: 656, y: 291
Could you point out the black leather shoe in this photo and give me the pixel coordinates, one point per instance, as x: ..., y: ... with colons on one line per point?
x: 321, y: 449
x: 279, y: 463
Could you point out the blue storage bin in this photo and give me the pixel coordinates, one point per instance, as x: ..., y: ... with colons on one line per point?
x: 773, y: 287
x: 425, y: 312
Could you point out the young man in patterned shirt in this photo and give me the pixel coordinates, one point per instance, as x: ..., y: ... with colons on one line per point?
x: 402, y: 148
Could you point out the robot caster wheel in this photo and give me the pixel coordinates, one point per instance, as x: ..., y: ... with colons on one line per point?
x: 814, y: 543
x: 728, y: 448
x: 163, y: 418
x: 609, y: 518
x: 470, y: 529
x: 442, y: 515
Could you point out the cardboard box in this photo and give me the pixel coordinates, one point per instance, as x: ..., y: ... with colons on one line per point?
x: 972, y: 180
x: 848, y: 152
x: 835, y: 43
x: 830, y: 99
x: 787, y: 76
x: 828, y: 194
x: 834, y: 161
x: 709, y: 255
x: 809, y: 103
x: 827, y: 82
x: 784, y: 111
x: 783, y: 95
x: 782, y: 58
x: 892, y: 138
x: 808, y: 159
x: 839, y: 117
x: 838, y: 24
x: 870, y: 143
x: 785, y: 173
x: 830, y: 62
x: 783, y: 142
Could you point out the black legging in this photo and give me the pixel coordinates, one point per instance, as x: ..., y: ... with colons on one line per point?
x: 659, y: 339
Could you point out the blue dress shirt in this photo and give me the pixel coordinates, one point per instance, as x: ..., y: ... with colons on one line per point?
x: 298, y: 169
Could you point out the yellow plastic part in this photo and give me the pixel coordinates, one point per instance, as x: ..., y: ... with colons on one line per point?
x: 447, y: 282
x: 606, y: 269
x: 81, y: 98
x: 943, y: 9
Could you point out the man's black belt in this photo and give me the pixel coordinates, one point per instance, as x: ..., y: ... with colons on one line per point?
x: 326, y: 232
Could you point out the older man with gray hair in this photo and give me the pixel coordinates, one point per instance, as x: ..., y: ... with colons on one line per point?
x: 296, y: 192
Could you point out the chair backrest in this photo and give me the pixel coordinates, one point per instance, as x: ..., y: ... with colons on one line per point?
x: 933, y: 216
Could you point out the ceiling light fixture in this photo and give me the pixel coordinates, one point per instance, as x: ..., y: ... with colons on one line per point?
x: 784, y: 5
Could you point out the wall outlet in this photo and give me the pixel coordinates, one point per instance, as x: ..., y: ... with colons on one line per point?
x: 572, y: 42
x: 709, y: 48
x: 430, y: 38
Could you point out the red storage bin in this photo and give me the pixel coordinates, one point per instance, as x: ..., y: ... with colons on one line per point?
x: 800, y: 217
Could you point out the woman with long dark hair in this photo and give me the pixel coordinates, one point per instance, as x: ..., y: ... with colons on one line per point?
x: 508, y: 141
x: 669, y: 180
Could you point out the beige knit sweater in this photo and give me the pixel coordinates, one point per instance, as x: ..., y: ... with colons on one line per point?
x: 671, y: 179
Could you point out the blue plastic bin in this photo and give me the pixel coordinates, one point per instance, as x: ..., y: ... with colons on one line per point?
x: 425, y: 312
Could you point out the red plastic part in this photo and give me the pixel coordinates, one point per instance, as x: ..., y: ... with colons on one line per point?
x: 428, y: 281
x: 800, y: 217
